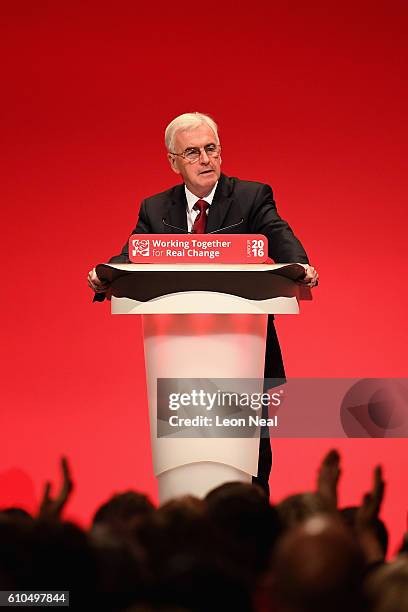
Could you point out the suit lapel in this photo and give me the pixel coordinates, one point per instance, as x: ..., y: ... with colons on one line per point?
x: 221, y: 205
x: 177, y: 211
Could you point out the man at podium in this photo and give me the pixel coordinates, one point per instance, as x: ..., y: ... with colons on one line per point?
x: 209, y: 201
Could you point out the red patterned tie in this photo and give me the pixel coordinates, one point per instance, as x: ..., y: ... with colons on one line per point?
x: 201, y: 219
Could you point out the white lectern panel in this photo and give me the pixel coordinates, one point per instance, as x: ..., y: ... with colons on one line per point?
x: 200, y: 347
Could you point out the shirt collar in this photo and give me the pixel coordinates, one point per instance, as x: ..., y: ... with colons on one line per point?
x: 192, y: 199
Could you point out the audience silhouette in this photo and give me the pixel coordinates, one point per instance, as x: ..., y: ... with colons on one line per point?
x: 232, y: 550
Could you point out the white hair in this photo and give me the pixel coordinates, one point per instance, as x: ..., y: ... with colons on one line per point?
x: 187, y: 121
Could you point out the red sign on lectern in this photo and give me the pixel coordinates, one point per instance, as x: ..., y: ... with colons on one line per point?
x: 198, y: 248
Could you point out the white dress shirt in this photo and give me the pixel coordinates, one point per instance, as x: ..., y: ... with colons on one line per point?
x: 191, y: 200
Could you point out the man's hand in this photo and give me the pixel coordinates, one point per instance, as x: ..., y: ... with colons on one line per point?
x: 51, y: 508
x: 311, y: 277
x: 328, y: 478
x: 95, y: 283
x: 370, y: 508
x: 366, y: 516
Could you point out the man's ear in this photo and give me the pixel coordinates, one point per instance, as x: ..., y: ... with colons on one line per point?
x: 173, y: 163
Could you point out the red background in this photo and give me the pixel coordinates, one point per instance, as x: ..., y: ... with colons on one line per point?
x: 310, y: 97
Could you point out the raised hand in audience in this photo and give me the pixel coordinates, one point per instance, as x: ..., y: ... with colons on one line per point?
x: 367, y: 515
x: 52, y: 507
x: 328, y: 478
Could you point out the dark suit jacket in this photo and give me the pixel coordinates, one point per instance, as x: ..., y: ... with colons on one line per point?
x: 234, y: 200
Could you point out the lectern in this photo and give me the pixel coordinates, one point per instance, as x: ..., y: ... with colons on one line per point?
x: 203, y: 321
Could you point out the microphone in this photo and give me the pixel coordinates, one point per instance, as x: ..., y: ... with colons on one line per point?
x: 181, y: 229
x: 227, y: 227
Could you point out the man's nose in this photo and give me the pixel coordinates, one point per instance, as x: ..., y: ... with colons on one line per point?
x: 204, y: 159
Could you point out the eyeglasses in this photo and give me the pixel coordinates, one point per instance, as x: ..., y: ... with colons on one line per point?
x: 192, y: 154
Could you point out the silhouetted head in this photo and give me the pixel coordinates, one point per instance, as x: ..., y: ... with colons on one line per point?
x: 296, y: 508
x: 317, y: 567
x: 38, y: 554
x: 18, y: 513
x: 119, y: 514
x: 15, y: 551
x: 387, y: 587
x: 179, y: 527
x: 247, y: 524
x: 379, y: 529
